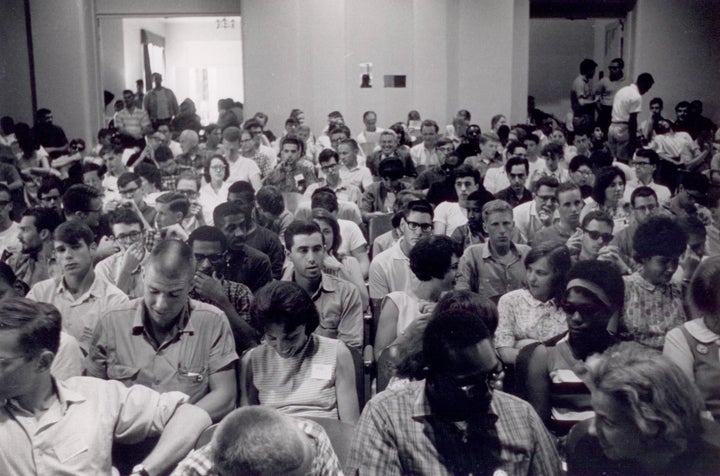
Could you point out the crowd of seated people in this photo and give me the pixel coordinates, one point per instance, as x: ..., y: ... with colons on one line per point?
x: 534, y: 298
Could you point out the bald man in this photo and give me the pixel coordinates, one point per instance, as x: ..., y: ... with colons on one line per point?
x: 167, y: 341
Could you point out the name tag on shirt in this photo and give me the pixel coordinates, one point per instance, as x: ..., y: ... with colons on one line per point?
x: 321, y: 371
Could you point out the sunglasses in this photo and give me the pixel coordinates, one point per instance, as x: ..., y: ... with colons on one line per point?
x: 595, y: 235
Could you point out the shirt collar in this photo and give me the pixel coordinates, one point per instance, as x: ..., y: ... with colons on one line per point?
x: 423, y: 411
x: 141, y: 317
x: 487, y: 253
x: 93, y: 291
x: 699, y: 330
x: 647, y: 285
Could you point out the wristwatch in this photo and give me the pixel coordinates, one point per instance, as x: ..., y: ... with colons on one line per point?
x: 140, y: 470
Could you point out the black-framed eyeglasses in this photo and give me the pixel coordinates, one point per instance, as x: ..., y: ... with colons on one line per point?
x: 424, y: 227
x: 486, y: 381
x: 132, y: 236
x: 188, y: 193
x: 595, y: 235
x: 213, y: 258
x: 328, y: 167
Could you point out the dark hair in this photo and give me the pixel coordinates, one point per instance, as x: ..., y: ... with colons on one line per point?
x: 127, y: 178
x: 419, y: 206
x: 326, y: 155
x: 48, y: 183
x: 206, y: 168
x: 391, y: 168
x: 645, y: 81
x: 642, y: 192
x: 692, y: 226
x: 587, y: 66
x: 658, y: 236
x: 430, y: 123
x: 89, y: 167
x: 228, y: 209
x: 324, y: 215
x: 208, y: 233
x: 695, y: 181
x: 431, y: 257
x: 150, y: 173
x: 657, y: 101
x: 577, y: 162
x: 45, y: 218
x: 163, y: 153
x: 73, y: 232
x: 125, y: 216
x: 241, y: 187
x: 603, y: 274
x: 38, y: 324
x: 283, y: 303
x: 558, y: 257
x: 291, y: 139
x: 176, y: 202
x: 467, y: 170
x: 325, y: 198
x: 510, y: 148
x: 600, y: 158
x: 270, y: 199
x: 704, y: 288
x: 452, y: 331
x: 552, y: 149
x: 545, y: 181
x: 603, y: 178
x: 78, y: 198
x: 597, y: 215
x: 649, y: 154
x: 515, y: 161
x: 300, y: 227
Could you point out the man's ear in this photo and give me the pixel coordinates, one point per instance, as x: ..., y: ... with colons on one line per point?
x: 44, y: 360
x: 44, y: 234
x: 92, y: 247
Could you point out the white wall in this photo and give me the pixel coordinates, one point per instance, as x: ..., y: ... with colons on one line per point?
x: 133, y: 49
x: 677, y: 42
x: 15, y: 95
x: 112, y: 66
x: 456, y: 54
x: 557, y: 46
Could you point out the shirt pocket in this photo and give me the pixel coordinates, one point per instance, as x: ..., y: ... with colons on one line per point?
x: 70, y: 447
x: 191, y: 378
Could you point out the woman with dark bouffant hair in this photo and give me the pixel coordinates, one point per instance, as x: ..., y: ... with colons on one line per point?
x: 294, y: 370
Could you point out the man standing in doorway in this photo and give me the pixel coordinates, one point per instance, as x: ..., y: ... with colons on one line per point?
x: 160, y: 103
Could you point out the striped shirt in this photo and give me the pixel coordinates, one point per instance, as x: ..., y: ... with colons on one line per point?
x: 300, y: 385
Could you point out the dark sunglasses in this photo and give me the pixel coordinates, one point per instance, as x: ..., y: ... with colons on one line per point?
x: 594, y: 235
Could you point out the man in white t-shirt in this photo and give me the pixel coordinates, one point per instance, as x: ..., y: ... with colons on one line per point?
x: 368, y: 139
x: 622, y: 134
x: 450, y: 215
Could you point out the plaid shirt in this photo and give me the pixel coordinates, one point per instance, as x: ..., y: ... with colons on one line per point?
x: 325, y: 462
x: 398, y: 434
x: 238, y: 294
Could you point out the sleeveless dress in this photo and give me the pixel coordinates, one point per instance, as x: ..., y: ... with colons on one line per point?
x: 301, y: 385
x: 569, y: 397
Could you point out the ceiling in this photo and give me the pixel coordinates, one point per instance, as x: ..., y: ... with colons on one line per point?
x: 578, y: 9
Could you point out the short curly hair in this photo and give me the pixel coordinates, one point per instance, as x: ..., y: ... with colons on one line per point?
x: 431, y: 257
x: 659, y: 236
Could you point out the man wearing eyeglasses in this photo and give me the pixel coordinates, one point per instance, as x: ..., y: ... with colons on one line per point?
x: 453, y: 421
x: 390, y: 270
x: 123, y: 269
x: 530, y: 217
x: 330, y: 166
x: 210, y: 249
x: 645, y: 162
x: 644, y: 203
x: 597, y: 227
x: 189, y: 185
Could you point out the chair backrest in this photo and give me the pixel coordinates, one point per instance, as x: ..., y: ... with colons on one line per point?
x: 386, y: 363
x: 340, y: 434
x: 359, y: 365
x: 379, y: 225
x: 206, y: 436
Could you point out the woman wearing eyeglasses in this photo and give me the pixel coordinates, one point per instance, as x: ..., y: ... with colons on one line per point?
x: 533, y: 313
x: 214, y: 190
x: 607, y: 196
x: 592, y: 301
